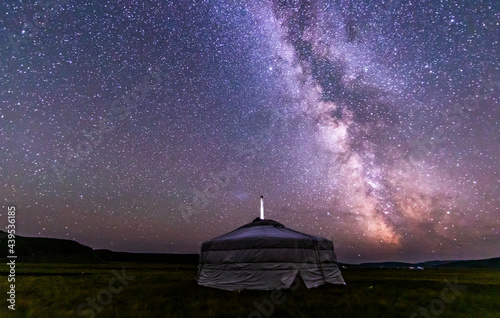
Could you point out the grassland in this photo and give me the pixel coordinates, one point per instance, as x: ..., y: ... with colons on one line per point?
x: 57, y: 291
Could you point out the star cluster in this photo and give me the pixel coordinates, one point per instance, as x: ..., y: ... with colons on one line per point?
x: 155, y: 125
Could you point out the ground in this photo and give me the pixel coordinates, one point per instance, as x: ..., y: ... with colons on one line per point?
x: 167, y: 290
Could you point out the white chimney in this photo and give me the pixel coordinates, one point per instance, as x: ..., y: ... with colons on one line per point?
x: 262, y: 207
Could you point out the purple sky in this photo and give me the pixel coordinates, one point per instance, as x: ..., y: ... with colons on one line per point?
x: 152, y: 126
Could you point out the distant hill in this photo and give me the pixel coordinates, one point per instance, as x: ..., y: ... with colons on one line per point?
x: 492, y: 263
x: 403, y: 264
x: 51, y: 250
x: 384, y: 265
x: 48, y: 250
x: 482, y: 263
x: 111, y: 256
x: 434, y: 263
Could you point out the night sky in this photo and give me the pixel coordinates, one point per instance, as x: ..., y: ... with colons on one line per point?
x: 152, y: 126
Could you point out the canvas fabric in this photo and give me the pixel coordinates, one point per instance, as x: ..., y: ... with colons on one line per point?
x: 264, y: 255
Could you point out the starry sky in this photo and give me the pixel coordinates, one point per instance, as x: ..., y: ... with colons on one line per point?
x: 152, y: 126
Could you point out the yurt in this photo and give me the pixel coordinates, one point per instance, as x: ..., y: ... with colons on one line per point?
x: 264, y: 254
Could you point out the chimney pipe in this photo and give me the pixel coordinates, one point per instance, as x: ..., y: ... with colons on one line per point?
x: 262, y: 207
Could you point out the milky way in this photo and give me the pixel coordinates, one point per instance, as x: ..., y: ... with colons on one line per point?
x: 153, y: 126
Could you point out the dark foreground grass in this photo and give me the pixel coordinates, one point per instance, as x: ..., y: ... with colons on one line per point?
x: 56, y: 290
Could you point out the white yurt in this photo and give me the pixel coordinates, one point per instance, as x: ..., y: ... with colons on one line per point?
x: 264, y: 254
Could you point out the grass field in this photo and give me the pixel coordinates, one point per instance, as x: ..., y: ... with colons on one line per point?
x: 152, y: 290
